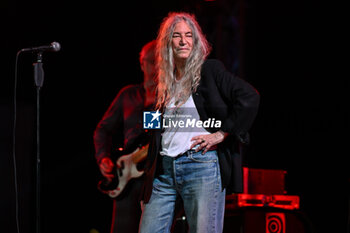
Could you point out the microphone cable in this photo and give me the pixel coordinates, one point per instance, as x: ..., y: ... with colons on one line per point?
x: 14, y: 144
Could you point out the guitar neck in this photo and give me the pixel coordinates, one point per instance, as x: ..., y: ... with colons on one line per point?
x: 140, y: 155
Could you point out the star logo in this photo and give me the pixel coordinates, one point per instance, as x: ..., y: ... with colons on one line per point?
x: 155, y: 115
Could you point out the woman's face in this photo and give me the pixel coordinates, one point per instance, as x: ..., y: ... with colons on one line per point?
x: 182, y: 41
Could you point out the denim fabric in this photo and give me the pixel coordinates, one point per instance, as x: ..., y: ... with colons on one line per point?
x: 196, y: 179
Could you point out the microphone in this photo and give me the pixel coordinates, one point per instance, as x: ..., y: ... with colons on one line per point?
x: 53, y: 47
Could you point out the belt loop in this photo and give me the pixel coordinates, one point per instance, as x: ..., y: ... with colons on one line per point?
x: 190, y: 153
x: 186, y: 153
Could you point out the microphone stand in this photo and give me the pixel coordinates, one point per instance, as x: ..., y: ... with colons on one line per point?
x: 39, y: 80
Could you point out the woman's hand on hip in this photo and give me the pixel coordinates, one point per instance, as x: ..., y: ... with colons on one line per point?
x: 205, y: 142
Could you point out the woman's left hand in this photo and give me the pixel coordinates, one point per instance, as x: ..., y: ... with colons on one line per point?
x: 207, y: 141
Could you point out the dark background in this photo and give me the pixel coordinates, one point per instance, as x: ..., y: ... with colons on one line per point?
x: 280, y: 47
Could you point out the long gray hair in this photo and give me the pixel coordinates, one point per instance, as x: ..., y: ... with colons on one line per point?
x: 165, y: 61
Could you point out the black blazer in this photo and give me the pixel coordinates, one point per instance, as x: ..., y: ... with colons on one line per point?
x: 225, y: 97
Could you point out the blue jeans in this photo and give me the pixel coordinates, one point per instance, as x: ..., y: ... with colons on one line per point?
x: 196, y: 179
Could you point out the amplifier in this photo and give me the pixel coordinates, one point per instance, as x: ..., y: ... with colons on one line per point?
x: 288, y: 202
x: 263, y: 181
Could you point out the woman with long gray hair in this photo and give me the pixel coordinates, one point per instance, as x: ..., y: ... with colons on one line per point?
x: 206, y: 113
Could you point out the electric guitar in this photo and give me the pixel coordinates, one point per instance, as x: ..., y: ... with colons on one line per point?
x: 126, y: 169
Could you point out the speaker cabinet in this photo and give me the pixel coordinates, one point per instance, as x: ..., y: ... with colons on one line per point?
x: 265, y: 220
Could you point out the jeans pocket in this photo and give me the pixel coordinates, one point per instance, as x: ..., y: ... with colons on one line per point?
x: 209, y: 157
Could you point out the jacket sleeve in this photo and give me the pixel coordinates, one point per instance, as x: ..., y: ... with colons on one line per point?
x: 243, y: 100
x: 111, y: 121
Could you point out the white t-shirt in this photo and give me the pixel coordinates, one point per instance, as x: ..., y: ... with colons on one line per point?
x: 179, y: 128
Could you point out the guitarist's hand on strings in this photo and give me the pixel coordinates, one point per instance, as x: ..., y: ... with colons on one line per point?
x: 106, y: 168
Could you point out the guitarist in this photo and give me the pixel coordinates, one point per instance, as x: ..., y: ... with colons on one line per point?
x: 124, y: 117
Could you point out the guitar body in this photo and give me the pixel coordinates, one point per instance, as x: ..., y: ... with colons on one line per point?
x: 125, y: 171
